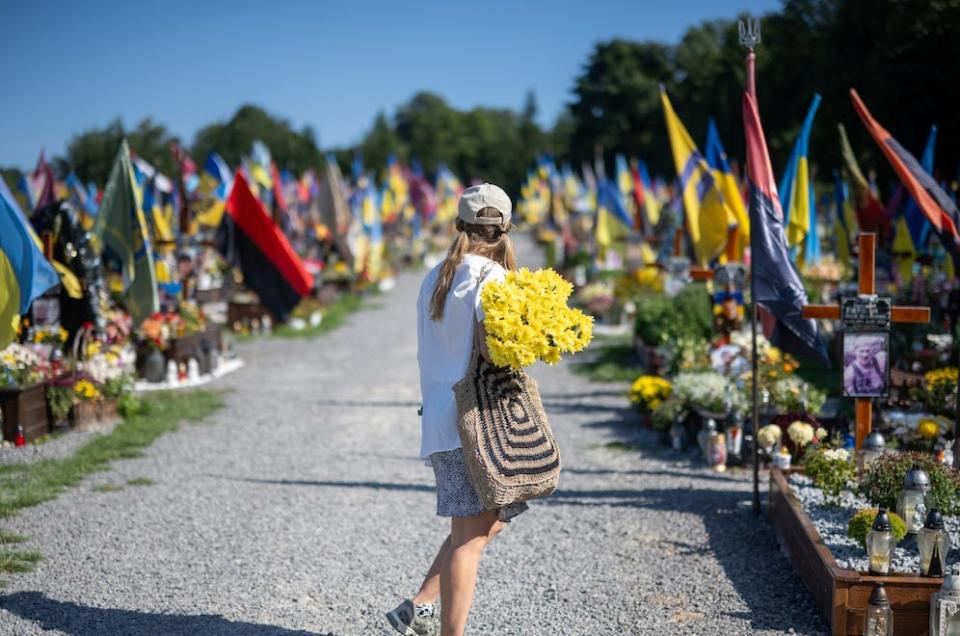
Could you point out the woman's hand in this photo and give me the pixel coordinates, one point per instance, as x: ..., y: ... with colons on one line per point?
x: 482, y: 342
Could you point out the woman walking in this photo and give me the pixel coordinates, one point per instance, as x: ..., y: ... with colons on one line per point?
x: 449, y: 324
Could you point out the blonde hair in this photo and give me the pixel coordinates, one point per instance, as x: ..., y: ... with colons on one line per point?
x: 490, y: 241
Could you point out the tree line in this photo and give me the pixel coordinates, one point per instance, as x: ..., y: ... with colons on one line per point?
x: 898, y: 55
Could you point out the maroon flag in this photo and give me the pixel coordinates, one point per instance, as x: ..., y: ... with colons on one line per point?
x: 777, y: 283
x: 43, y: 174
x: 270, y: 266
x: 935, y: 204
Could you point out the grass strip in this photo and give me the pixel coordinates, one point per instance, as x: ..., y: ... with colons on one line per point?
x: 140, y: 481
x: 334, y: 316
x: 17, y: 561
x: 610, y: 360
x: 29, y: 484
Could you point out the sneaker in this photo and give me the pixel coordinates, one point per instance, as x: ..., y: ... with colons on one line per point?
x: 410, y: 620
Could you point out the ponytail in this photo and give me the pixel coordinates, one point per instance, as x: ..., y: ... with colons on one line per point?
x: 490, y: 241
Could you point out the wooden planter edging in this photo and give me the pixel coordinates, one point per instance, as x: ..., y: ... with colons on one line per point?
x: 28, y: 407
x: 840, y: 593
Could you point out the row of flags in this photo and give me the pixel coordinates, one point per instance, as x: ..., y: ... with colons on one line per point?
x: 258, y: 213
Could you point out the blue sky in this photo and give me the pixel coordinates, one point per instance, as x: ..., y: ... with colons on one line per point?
x: 74, y: 65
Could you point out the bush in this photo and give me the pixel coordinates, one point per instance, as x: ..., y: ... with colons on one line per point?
x: 687, y: 315
x: 883, y: 480
x: 862, y: 520
x: 831, y: 470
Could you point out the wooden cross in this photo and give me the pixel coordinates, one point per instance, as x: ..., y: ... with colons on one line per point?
x: 867, y: 287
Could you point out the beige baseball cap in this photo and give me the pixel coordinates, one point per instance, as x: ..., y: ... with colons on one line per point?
x: 485, y: 195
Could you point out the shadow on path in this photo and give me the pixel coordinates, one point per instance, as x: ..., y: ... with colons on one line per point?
x: 372, y: 485
x: 744, y: 546
x: 80, y: 620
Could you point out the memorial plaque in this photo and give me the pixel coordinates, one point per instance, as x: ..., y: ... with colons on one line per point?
x: 865, y: 313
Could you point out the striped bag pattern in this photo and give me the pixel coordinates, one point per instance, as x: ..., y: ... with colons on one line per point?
x: 508, y: 446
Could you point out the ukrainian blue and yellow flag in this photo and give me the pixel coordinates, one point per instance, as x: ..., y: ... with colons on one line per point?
x: 917, y: 223
x: 707, y: 214
x: 796, y: 195
x: 727, y: 182
x: 24, y: 273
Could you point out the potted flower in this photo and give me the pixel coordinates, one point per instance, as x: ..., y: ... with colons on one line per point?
x: 86, y: 394
x: 22, y: 400
x: 648, y: 392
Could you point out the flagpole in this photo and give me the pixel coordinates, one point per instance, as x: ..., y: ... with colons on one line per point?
x: 750, y: 37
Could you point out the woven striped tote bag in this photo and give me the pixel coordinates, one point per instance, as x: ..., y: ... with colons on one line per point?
x: 508, y: 447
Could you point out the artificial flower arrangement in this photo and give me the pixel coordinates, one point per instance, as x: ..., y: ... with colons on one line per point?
x: 917, y: 431
x: 527, y: 319
x: 707, y: 391
x: 596, y: 297
x: 938, y: 393
x: 648, y: 392
x: 85, y: 390
x: 50, y: 335
x: 20, y: 366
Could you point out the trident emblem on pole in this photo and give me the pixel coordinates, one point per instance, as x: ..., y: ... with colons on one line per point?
x: 749, y: 33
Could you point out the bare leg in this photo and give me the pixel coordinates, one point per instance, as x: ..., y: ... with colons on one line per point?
x: 430, y: 589
x: 458, y: 579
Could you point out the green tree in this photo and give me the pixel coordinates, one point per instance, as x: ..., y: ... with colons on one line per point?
x: 91, y: 154
x: 296, y: 150
x: 380, y: 143
x: 616, y: 105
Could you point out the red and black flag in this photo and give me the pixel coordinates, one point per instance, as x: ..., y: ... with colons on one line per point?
x: 777, y: 283
x: 248, y: 237
x: 933, y: 202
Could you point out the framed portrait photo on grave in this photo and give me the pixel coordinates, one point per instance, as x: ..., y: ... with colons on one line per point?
x: 866, y: 364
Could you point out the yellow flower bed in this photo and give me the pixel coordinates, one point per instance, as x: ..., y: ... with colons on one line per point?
x: 527, y: 319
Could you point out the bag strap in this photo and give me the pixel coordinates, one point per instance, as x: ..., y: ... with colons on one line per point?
x: 482, y: 276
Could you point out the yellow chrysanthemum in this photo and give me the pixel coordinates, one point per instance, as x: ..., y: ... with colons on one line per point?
x: 928, y: 428
x: 527, y: 319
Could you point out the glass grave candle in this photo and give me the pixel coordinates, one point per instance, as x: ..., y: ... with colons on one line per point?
x: 945, y: 608
x: 879, y: 617
x: 880, y: 544
x: 933, y: 543
x: 912, y: 502
x: 874, y: 446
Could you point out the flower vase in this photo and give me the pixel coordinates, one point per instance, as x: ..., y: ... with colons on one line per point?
x: 155, y: 366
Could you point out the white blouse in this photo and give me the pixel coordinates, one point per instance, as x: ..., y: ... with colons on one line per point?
x: 444, y: 347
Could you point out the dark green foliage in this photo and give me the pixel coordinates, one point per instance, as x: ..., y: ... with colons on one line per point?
x: 91, y: 153
x: 862, y: 520
x: 883, y: 480
x: 296, y: 150
x: 687, y: 315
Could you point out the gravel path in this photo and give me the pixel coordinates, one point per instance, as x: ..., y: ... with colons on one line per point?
x: 301, y: 509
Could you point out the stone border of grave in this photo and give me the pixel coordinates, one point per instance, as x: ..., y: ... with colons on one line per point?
x: 842, y: 594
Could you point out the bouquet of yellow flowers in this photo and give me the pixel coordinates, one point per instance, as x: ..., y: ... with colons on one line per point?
x: 527, y: 319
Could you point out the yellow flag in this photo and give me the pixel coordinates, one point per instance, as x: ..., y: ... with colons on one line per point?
x: 707, y: 213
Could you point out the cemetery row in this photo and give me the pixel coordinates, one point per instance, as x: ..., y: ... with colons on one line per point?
x: 146, y: 283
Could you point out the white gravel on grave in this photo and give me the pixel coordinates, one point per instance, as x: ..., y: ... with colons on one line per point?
x: 302, y: 509
x: 831, y: 522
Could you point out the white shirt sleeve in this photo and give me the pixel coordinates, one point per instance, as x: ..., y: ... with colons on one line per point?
x: 497, y: 273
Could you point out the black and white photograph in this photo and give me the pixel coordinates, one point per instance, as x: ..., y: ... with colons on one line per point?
x: 865, y: 364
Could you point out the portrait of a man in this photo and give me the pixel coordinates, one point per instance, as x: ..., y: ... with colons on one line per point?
x: 865, y: 358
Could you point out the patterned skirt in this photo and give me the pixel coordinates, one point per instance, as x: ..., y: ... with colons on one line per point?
x: 455, y: 494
